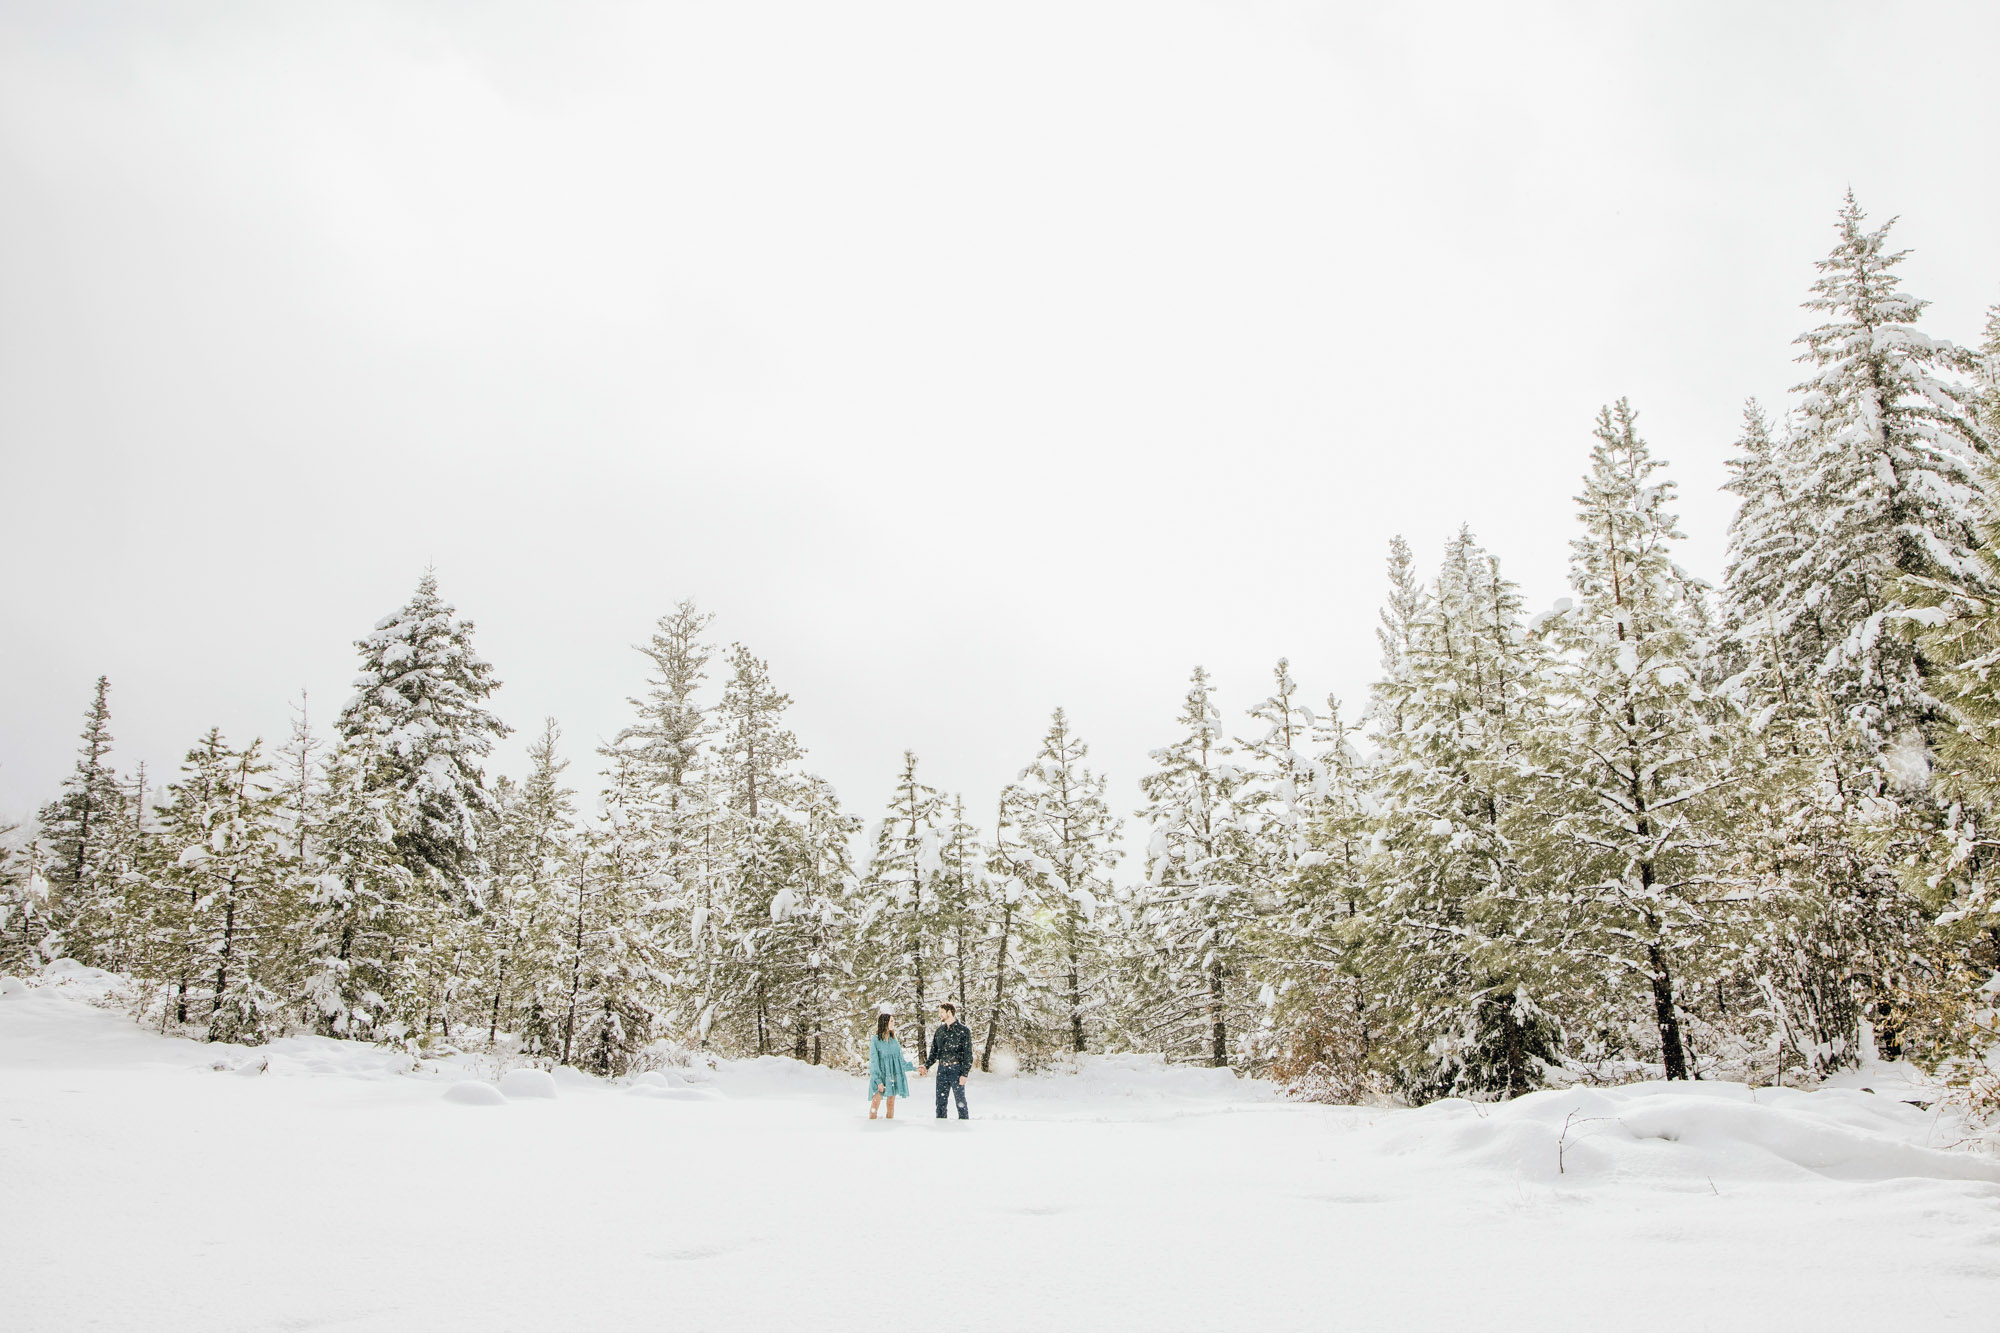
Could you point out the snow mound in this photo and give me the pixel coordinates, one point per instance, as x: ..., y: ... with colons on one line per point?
x: 674, y: 1085
x: 528, y: 1083
x: 1686, y: 1135
x: 475, y: 1092
x: 1145, y: 1077
x: 69, y: 971
x: 776, y: 1076
x: 332, y: 1055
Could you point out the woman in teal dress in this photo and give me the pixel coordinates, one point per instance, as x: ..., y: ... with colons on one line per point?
x: 886, y: 1067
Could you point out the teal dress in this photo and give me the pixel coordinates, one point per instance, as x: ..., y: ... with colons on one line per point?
x: 886, y: 1067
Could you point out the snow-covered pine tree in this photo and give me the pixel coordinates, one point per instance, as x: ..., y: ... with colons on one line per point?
x: 1633, y: 762
x: 1824, y: 926
x: 965, y: 897
x: 615, y: 958
x: 215, y: 918
x: 756, y: 764
x: 663, y: 743
x: 1887, y: 486
x: 87, y: 833
x: 1201, y: 894
x: 804, y: 953
x: 898, y: 927
x: 1947, y: 856
x: 1401, y: 612
x: 708, y: 887
x: 1057, y: 841
x: 1323, y: 1018
x: 1769, y: 538
x: 1016, y: 998
x: 420, y: 699
x: 1461, y: 995
x: 24, y: 900
x: 1989, y: 377
x: 1282, y: 797
x: 662, y: 747
x: 532, y: 853
x: 360, y: 909
x: 298, y: 812
x: 672, y: 804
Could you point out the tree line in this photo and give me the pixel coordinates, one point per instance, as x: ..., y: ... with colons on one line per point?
x: 1664, y: 828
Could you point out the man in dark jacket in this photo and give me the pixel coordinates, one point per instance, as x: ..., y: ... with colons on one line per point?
x: 951, y: 1052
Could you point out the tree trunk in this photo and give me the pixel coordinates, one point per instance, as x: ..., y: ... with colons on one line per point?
x: 999, y: 989
x: 575, y: 979
x: 222, y: 965
x: 763, y: 1019
x: 1075, y: 980
x: 917, y: 965
x: 1672, y: 1054
x: 1218, y: 1027
x: 499, y: 987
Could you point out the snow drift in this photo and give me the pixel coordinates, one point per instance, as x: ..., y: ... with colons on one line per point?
x: 164, y: 1184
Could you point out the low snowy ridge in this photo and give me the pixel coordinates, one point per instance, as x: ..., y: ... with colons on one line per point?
x: 1687, y: 1135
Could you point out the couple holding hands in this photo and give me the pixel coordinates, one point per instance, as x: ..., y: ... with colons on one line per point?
x: 951, y: 1052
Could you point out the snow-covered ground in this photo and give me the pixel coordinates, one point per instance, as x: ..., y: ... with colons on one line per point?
x: 313, y: 1184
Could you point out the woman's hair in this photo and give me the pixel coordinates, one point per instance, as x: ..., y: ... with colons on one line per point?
x: 882, y: 1024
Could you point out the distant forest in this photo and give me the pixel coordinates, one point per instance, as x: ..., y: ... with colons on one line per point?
x: 1673, y: 828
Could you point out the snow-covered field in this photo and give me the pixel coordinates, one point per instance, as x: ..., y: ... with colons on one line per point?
x: 312, y: 1184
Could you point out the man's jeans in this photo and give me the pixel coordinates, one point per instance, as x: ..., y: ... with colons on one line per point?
x: 948, y: 1083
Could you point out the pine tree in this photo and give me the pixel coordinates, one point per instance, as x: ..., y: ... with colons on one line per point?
x: 664, y: 744
x: 1634, y: 760
x: 1324, y: 1016
x: 1462, y: 992
x: 1825, y: 928
x: 299, y: 813
x: 1199, y: 901
x: 804, y: 952
x: 360, y: 909
x: 899, y: 919
x: 87, y: 832
x: 1887, y: 484
x: 965, y: 897
x: 1989, y: 377
x: 1014, y: 991
x: 757, y: 768
x: 1282, y: 797
x: 532, y: 852
x: 216, y: 920
x: 676, y: 794
x: 1057, y: 839
x: 420, y: 700
x: 708, y: 886
x: 24, y: 899
x: 1769, y: 541
x: 614, y: 941
x: 1400, y: 615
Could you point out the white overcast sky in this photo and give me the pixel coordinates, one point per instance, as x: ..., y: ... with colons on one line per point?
x: 965, y: 360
